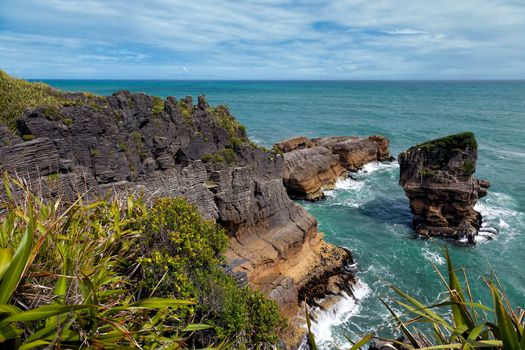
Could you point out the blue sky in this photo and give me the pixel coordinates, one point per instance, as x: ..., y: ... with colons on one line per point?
x: 263, y: 39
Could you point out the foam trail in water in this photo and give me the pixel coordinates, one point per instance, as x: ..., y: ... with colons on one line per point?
x: 433, y: 257
x: 337, y: 314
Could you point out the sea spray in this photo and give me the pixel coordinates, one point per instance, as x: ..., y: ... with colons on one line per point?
x: 337, y: 314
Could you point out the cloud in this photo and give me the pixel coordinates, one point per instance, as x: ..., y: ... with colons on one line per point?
x: 263, y: 39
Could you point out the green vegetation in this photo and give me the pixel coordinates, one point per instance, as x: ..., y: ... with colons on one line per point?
x: 27, y: 137
x: 427, y: 172
x: 122, y: 146
x: 226, y: 155
x: 53, y: 177
x: 94, y: 152
x: 118, y: 114
x: 236, y: 131
x: 182, y: 260
x: 118, y: 274
x: 158, y: 106
x: 468, y: 167
x: 186, y: 111
x: 451, y: 142
x: 16, y: 95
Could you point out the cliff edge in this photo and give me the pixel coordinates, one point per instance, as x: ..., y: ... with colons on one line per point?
x: 132, y: 142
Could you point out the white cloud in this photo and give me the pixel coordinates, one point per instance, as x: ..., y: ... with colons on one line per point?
x: 264, y: 38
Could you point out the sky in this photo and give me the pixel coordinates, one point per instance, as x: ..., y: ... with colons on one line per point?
x: 263, y: 39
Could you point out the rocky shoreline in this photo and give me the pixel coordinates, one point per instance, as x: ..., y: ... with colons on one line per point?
x: 312, y: 166
x: 134, y: 143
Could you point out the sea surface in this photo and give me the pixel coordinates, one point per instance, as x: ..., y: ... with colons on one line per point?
x: 370, y: 214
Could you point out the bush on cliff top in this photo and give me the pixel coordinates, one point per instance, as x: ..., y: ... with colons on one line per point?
x: 16, y: 95
x: 117, y: 274
x: 456, y: 141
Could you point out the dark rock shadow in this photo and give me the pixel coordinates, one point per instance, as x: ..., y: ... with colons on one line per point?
x: 388, y: 210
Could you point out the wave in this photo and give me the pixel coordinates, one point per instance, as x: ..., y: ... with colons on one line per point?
x: 373, y: 167
x: 337, y: 314
x: 345, y: 185
x: 498, y: 212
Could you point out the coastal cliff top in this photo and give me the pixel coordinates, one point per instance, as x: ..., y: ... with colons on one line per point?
x: 456, y: 141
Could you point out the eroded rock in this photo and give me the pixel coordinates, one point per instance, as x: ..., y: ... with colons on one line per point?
x: 312, y: 166
x: 134, y: 143
x: 437, y: 178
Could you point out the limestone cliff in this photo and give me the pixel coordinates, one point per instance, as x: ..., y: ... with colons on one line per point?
x: 437, y: 178
x: 312, y: 166
x: 131, y: 142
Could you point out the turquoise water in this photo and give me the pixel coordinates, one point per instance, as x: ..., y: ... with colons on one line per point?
x: 370, y: 215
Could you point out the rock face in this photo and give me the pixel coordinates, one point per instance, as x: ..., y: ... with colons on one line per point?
x: 129, y: 143
x: 437, y: 178
x: 312, y: 166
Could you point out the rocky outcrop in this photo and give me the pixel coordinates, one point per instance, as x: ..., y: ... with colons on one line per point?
x: 437, y: 178
x: 128, y: 143
x: 312, y: 166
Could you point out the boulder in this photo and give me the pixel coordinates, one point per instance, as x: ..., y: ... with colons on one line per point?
x: 437, y: 179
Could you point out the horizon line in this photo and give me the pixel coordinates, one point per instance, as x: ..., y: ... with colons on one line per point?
x: 281, y: 80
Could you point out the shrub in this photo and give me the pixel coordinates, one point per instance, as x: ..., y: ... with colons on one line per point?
x: 71, y: 273
x: 158, y: 106
x: 184, y: 254
x: 225, y: 120
x: 119, y: 274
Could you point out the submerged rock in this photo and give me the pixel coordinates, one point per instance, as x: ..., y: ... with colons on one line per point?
x: 437, y: 178
x: 312, y: 166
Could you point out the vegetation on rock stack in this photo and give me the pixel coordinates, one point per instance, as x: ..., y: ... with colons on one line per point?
x: 451, y: 142
x: 121, y: 274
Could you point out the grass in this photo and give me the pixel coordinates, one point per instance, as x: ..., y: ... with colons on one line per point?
x: 17, y: 95
x: 116, y: 274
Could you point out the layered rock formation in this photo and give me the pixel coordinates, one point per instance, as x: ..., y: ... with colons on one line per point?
x: 137, y: 143
x: 312, y: 166
x: 437, y: 178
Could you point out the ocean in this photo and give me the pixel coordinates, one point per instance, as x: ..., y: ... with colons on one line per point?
x: 370, y: 213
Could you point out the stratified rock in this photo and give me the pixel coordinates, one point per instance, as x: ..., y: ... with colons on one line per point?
x: 355, y: 152
x: 134, y: 143
x: 310, y: 171
x: 312, y: 166
x: 437, y: 178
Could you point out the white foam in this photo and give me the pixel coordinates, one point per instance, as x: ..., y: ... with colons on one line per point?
x: 378, y: 166
x: 346, y: 184
x: 497, y: 211
x: 339, y: 313
x: 433, y: 257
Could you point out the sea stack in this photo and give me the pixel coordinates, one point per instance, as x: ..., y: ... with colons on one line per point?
x: 312, y: 166
x: 437, y: 179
